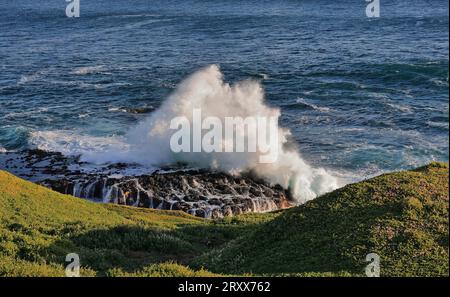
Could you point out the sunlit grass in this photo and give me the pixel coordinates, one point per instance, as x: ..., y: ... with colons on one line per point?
x: 401, y: 216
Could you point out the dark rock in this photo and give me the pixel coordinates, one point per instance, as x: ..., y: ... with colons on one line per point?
x: 199, y: 192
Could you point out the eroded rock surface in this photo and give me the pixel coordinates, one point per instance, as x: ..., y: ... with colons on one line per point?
x: 199, y: 192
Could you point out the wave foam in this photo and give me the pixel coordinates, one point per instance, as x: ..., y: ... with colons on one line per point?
x: 88, y: 70
x: 149, y: 142
x: 71, y: 143
x: 303, y: 102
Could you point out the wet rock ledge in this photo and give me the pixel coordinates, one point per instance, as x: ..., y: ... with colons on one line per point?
x: 199, y: 192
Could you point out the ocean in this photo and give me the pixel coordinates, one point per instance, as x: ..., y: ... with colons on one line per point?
x: 360, y: 96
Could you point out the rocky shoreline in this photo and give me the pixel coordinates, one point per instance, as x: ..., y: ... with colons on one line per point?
x: 201, y: 193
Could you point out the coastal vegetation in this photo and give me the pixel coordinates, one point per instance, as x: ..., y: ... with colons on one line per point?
x: 401, y: 216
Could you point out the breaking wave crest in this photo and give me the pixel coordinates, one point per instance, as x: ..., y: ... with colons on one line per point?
x: 149, y: 142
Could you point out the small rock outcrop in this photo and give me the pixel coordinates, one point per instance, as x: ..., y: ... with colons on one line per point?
x: 201, y: 193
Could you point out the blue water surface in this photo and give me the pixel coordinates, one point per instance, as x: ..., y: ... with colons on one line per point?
x: 362, y: 95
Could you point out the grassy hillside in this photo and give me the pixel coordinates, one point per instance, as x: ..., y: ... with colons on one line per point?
x: 39, y: 227
x: 401, y: 216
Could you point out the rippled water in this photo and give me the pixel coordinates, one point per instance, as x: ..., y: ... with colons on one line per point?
x: 361, y: 96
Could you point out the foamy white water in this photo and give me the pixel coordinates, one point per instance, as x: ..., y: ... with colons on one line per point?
x: 88, y: 70
x: 149, y: 142
x: 71, y: 143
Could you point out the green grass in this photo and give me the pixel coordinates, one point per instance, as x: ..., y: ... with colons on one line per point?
x: 39, y: 227
x: 401, y: 216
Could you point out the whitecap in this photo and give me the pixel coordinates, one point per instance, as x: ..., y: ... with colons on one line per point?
x: 442, y: 125
x: 313, y: 106
x: 87, y: 70
x: 24, y: 79
x: 439, y: 83
x: 28, y: 78
x: 26, y: 113
x: 399, y: 107
x: 379, y: 96
x: 72, y: 143
x: 116, y: 109
x: 131, y: 16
